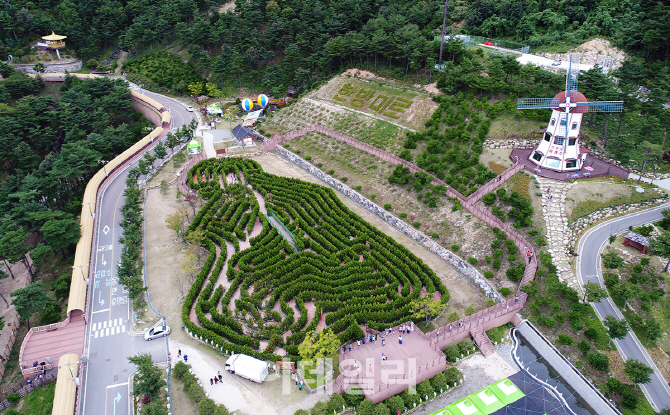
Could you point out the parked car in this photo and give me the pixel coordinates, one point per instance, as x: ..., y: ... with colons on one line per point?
x: 156, y: 332
x: 556, y: 62
x: 189, y: 108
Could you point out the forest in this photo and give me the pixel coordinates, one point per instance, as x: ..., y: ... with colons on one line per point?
x: 52, y: 143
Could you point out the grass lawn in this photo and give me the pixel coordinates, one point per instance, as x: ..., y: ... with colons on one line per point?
x: 38, y: 402
x: 506, y: 124
x: 589, y: 196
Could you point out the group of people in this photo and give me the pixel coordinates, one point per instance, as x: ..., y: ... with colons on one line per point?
x: 216, y: 379
x: 179, y: 355
x: 387, y: 332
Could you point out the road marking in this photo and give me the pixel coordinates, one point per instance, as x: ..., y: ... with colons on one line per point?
x: 100, y: 311
x: 107, y: 328
x: 105, y: 230
x: 118, y: 384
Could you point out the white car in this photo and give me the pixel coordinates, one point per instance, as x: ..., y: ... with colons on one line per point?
x: 189, y: 108
x: 156, y: 332
x: 557, y: 62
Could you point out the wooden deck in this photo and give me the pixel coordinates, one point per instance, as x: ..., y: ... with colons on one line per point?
x: 53, y: 341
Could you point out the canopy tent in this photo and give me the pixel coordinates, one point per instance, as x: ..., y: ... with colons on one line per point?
x: 214, y: 110
x: 193, y: 147
x: 486, y: 401
x: 251, y: 118
x: 506, y: 391
x: 464, y: 407
x: 54, y: 36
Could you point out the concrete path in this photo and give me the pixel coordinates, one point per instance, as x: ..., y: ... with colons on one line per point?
x: 208, y: 145
x: 589, y: 270
x: 663, y: 183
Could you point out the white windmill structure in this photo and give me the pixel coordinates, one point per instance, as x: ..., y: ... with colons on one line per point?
x: 559, y: 148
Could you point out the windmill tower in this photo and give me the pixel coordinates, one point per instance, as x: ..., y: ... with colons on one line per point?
x: 559, y: 148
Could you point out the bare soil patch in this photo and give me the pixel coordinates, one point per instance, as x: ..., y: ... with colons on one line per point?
x: 462, y: 293
x: 592, y: 52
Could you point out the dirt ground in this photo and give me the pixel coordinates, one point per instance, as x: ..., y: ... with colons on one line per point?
x: 506, y: 124
x: 462, y: 293
x: 499, y: 156
x: 593, y: 52
x: 599, y: 192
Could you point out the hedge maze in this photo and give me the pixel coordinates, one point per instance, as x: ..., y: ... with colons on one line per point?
x: 341, y: 266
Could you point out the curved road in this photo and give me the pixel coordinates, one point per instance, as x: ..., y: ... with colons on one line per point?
x: 588, y: 270
x: 107, y: 387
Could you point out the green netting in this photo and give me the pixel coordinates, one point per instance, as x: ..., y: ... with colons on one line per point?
x: 288, y: 235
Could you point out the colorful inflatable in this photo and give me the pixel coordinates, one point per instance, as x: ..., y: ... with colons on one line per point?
x: 262, y: 100
x: 247, y: 105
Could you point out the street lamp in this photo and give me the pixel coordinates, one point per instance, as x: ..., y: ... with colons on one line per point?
x: 82, y: 272
x: 103, y: 162
x: 72, y: 376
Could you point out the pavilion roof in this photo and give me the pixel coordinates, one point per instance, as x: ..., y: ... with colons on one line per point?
x: 54, y: 36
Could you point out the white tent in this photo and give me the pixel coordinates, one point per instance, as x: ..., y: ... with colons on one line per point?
x: 214, y: 110
x: 251, y: 118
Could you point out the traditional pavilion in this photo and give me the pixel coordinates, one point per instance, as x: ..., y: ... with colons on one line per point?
x: 637, y: 241
x: 52, y: 42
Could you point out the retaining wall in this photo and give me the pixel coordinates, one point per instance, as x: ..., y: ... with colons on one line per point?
x: 50, y: 67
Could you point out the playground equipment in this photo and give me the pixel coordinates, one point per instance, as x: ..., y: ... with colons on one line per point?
x: 262, y: 100
x: 247, y: 105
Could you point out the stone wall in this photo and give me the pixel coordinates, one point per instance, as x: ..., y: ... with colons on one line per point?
x: 51, y: 68
x: 504, y: 143
x: 456, y: 262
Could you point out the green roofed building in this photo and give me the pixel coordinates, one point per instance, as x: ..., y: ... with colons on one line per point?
x: 506, y: 391
x: 443, y: 411
x: 194, y: 147
x: 465, y: 407
x: 486, y: 401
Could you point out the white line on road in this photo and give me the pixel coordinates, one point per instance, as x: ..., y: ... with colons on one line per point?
x: 118, y: 384
x: 100, y: 311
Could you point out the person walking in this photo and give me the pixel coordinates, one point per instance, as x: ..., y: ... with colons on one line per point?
x: 211, y: 381
x: 449, y: 328
x: 349, y: 346
x: 219, y: 375
x: 358, y: 342
x: 216, y: 380
x: 412, y: 326
x: 370, y: 369
x: 383, y: 343
x: 185, y: 358
x: 179, y: 353
x: 400, y: 339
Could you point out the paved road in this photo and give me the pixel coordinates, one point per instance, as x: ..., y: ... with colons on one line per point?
x: 109, y: 340
x: 589, y: 270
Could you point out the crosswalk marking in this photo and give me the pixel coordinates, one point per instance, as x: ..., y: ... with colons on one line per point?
x: 107, y: 328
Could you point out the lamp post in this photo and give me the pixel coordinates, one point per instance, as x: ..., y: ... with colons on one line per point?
x: 103, y: 162
x: 73, y: 377
x: 86, y: 280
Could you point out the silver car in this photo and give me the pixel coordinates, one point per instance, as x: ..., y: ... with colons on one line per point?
x: 156, y: 332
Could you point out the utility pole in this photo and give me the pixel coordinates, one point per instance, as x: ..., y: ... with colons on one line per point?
x: 444, y: 29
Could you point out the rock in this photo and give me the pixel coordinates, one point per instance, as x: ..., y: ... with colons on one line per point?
x: 639, y: 190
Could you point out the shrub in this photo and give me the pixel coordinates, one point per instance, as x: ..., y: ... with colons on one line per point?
x: 373, y: 196
x: 533, y: 232
x: 505, y: 291
x: 388, y: 206
x: 319, y: 165
x: 455, y: 247
x: 308, y: 158
x: 416, y: 224
x: 472, y: 260
x: 541, y: 241
x: 490, y: 302
x: 489, y: 199
x: 403, y: 215
x: 565, y: 340
x: 180, y: 368
x: 584, y: 346
x: 13, y: 397
x: 470, y: 310
x: 453, y: 316
x: 354, y: 396
x: 435, y: 235
x: 331, y: 172
x: 357, y: 188
x: 496, y: 263
x: 599, y: 361
x: 344, y: 179
x: 297, y: 152
x: 51, y: 314
x: 489, y: 275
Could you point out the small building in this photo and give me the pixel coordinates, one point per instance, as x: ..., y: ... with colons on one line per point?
x: 245, y: 136
x: 194, y: 147
x: 214, y: 110
x: 52, y: 42
x: 637, y: 241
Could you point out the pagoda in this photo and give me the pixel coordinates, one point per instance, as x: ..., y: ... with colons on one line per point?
x: 52, y: 42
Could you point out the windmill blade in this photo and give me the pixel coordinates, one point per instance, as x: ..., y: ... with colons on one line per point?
x: 573, y: 73
x: 533, y: 103
x: 600, y: 106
